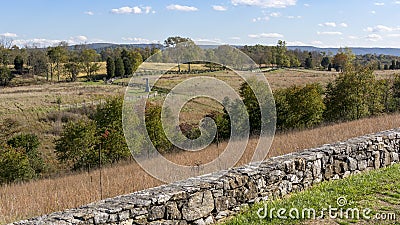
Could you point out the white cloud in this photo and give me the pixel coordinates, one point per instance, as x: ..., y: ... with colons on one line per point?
x: 327, y: 24
x: 381, y: 28
x: 319, y: 43
x: 373, y: 12
x: 394, y: 35
x: 275, y: 14
x: 182, y: 8
x: 397, y: 2
x: 266, y: 35
x: 265, y: 3
x: 39, y: 42
x: 265, y: 18
x: 374, y: 37
x: 332, y: 24
x: 379, y: 3
x: 147, y: 9
x: 329, y: 33
x: 90, y: 13
x: 9, y: 35
x: 79, y: 38
x: 219, y: 8
x: 294, y: 17
x: 136, y: 40
x: 207, y: 41
x: 235, y: 38
x: 296, y: 43
x: 352, y: 37
x: 132, y: 10
x: 307, y: 5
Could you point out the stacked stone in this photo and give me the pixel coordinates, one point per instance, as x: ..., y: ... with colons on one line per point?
x: 210, y: 198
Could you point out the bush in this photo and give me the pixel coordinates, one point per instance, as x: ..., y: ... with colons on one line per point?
x: 77, y: 144
x: 14, y: 165
x: 29, y: 143
x: 299, y: 107
x: 353, y: 95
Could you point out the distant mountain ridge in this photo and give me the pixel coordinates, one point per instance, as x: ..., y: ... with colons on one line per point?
x: 356, y: 50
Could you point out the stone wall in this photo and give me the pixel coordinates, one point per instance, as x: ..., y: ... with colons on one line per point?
x: 210, y: 198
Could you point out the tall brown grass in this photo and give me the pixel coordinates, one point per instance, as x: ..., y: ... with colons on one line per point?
x: 20, y: 201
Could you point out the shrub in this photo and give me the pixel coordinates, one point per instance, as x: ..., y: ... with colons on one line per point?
x: 29, y: 143
x: 14, y: 165
x: 299, y: 107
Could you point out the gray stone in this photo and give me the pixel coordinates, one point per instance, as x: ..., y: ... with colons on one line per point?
x: 172, y: 211
x: 209, y: 220
x: 352, y: 163
x: 199, y: 205
x: 362, y: 165
x: 156, y: 212
x: 199, y: 222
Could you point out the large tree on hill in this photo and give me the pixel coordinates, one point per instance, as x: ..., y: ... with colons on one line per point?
x: 173, y: 41
x: 181, y: 49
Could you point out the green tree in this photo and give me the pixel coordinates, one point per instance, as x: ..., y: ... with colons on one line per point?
x: 5, y: 75
x: 110, y: 66
x: 173, y: 41
x: 352, y: 95
x: 248, y: 91
x: 29, y: 143
x: 299, y: 107
x: 308, y: 64
x: 344, y: 58
x: 57, y: 55
x: 38, y: 62
x: 119, y: 67
x: 155, y: 129
x: 19, y: 64
x: 14, y: 165
x: 73, y: 69
x: 282, y: 60
x: 325, y: 62
x: 90, y: 66
x: 77, y: 144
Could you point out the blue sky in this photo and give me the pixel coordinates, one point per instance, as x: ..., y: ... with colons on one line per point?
x: 322, y: 23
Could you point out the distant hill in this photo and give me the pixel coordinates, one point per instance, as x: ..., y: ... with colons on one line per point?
x: 357, y: 51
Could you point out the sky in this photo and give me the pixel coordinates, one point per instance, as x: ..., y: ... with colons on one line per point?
x: 320, y: 23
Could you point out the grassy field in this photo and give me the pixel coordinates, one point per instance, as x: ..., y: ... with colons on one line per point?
x: 375, y: 190
x: 32, y: 106
x: 72, y: 190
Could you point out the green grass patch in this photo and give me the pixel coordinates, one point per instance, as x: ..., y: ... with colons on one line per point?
x: 362, y: 191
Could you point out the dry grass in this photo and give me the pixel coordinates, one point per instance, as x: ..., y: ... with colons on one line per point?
x: 19, y: 201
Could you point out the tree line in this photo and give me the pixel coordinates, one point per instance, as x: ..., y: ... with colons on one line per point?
x: 64, y: 63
